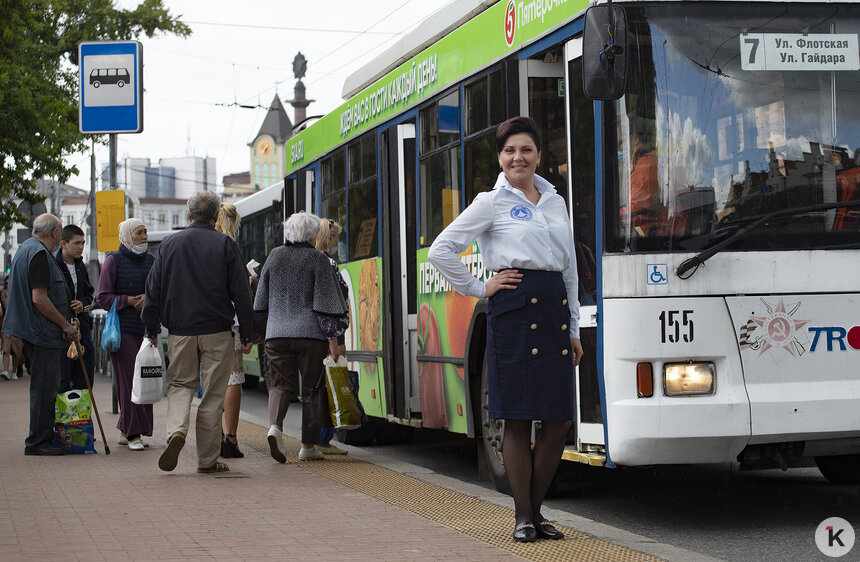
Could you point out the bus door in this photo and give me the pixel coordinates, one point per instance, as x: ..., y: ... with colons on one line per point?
x: 583, y: 207
x: 299, y: 192
x: 400, y: 315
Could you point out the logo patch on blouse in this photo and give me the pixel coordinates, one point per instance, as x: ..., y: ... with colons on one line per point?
x: 521, y: 213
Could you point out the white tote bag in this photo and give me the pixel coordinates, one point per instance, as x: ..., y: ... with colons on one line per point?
x: 148, y: 381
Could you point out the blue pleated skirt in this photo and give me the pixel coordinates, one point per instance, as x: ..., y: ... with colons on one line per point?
x: 530, y: 361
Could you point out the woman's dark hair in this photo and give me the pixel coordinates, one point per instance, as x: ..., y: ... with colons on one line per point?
x: 515, y: 126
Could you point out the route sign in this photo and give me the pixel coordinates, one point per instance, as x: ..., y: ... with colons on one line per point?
x: 110, y: 87
x: 110, y: 211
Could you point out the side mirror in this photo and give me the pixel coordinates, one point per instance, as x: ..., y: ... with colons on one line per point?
x: 604, y: 52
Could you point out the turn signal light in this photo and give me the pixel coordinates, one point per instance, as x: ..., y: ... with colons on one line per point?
x: 644, y: 380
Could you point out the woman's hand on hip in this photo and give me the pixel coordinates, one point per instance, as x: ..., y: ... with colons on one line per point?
x: 576, y: 346
x: 505, y: 279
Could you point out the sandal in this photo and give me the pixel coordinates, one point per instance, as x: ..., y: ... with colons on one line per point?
x: 217, y: 467
x: 230, y: 450
x: 525, y: 532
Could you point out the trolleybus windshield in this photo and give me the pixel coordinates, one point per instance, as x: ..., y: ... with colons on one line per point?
x: 755, y: 112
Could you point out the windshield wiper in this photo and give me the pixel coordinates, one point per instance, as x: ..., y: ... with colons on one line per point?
x: 705, y: 255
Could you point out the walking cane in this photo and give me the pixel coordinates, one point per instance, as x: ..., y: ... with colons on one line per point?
x: 87, y: 379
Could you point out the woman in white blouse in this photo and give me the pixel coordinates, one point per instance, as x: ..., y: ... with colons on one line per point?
x: 524, y: 235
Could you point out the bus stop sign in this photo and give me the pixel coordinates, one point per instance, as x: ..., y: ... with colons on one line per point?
x: 110, y: 87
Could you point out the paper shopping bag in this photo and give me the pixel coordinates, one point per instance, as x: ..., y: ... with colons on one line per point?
x: 342, y: 403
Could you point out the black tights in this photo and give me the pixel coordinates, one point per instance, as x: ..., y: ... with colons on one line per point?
x: 531, y: 472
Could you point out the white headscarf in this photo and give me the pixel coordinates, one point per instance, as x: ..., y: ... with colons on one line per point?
x: 126, y: 227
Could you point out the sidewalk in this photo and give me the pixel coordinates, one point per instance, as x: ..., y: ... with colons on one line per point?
x: 121, y: 506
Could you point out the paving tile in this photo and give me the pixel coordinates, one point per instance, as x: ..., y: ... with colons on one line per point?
x: 122, y: 507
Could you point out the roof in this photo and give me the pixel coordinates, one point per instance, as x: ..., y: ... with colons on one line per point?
x: 437, y: 25
x: 162, y: 201
x: 238, y: 177
x: 277, y: 123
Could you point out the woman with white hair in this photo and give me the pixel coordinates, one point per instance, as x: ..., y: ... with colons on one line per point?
x: 300, y: 293
x: 123, y: 278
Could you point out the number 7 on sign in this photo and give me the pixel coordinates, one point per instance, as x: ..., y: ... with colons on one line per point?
x: 752, y: 52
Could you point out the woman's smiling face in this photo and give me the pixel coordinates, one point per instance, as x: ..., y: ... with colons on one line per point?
x: 519, y: 159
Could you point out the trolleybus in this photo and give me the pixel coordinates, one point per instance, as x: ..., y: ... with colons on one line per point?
x: 712, y: 205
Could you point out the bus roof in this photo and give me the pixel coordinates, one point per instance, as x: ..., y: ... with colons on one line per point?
x: 251, y: 204
x: 437, y: 25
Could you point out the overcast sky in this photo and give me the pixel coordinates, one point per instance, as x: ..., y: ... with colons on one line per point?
x: 242, y: 52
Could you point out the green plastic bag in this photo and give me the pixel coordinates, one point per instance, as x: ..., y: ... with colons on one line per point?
x: 73, y: 424
x: 342, y: 403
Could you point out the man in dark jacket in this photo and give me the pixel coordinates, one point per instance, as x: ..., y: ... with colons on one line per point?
x: 38, y: 313
x: 195, y: 288
x: 75, y: 272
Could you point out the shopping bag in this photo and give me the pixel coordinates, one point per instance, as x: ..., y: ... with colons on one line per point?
x: 111, y: 334
x: 73, y: 425
x: 342, y: 403
x: 148, y: 381
x: 353, y: 385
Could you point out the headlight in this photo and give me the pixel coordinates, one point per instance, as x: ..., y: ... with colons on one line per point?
x: 684, y: 379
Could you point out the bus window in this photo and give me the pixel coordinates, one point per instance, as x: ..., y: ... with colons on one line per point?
x: 333, y: 184
x: 725, y: 151
x: 484, y: 111
x: 362, y: 220
x: 440, y: 166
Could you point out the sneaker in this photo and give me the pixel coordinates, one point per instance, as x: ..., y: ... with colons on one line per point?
x: 275, y: 438
x: 122, y: 440
x: 13, y: 377
x: 330, y: 449
x: 4, y: 375
x: 136, y: 444
x: 309, y: 454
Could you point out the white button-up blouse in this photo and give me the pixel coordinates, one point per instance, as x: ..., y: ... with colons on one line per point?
x: 512, y: 233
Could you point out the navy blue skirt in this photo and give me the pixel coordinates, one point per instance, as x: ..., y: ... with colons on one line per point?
x: 530, y: 361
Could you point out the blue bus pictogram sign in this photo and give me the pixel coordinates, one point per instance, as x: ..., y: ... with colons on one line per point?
x: 110, y: 87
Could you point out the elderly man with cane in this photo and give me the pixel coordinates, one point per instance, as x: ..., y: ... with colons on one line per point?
x: 196, y: 286
x: 38, y: 313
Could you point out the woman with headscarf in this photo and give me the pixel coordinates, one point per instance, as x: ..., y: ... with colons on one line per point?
x: 123, y: 278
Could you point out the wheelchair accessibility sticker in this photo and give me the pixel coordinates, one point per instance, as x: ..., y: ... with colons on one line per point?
x: 657, y: 273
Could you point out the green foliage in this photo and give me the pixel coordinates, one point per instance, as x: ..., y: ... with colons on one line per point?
x: 39, y: 83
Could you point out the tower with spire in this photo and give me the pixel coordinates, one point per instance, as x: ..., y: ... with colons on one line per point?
x: 268, y: 152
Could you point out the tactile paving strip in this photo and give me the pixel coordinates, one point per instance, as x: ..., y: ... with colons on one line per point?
x: 465, y: 514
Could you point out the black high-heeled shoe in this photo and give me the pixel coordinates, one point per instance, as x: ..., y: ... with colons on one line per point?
x: 230, y: 450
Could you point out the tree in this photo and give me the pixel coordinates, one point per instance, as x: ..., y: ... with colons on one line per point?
x: 39, y: 83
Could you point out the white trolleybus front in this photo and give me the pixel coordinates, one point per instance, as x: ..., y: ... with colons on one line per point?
x: 730, y: 232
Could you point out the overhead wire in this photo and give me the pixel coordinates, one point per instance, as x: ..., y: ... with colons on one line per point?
x: 342, y: 45
x: 289, y: 28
